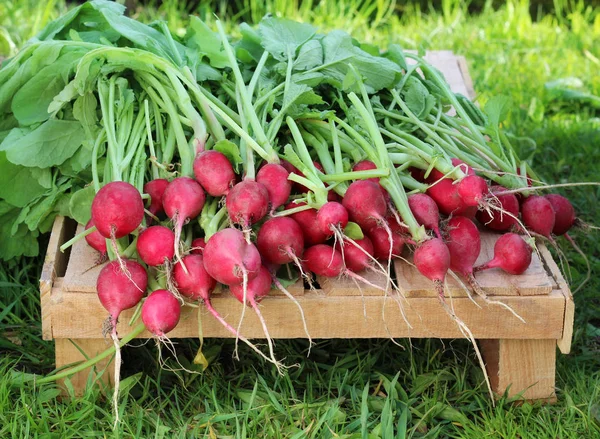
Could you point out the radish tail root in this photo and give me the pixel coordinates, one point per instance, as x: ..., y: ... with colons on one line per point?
x: 587, y: 262
x: 115, y: 398
x: 245, y: 298
x: 293, y: 299
x: 178, y: 226
x: 113, y: 244
x: 477, y: 288
x: 380, y: 268
x: 277, y: 364
x: 298, y: 264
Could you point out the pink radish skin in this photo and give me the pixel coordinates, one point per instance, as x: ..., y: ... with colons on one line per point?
x: 498, y: 220
x: 464, y: 244
x: 119, y: 291
x: 196, y: 284
x: 247, y: 203
x: 425, y: 211
x: 214, y: 172
x: 280, y: 241
x: 156, y: 189
x: 156, y: 245
x: 275, y: 179
x: 538, y: 215
x: 564, y: 213
x: 324, y: 260
x: 227, y: 256
x: 511, y: 253
x: 432, y: 259
x: 332, y: 216
x: 307, y: 220
x: 463, y: 166
x: 117, y: 209
x: 356, y: 259
x: 365, y: 204
x: 473, y: 190
x: 366, y: 165
x: 258, y: 288
x: 198, y: 245
x: 161, y: 312
x: 445, y: 194
x: 381, y: 243
x: 95, y: 239
x: 183, y: 200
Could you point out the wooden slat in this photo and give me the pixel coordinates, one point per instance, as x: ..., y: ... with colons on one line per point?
x: 495, y: 282
x: 81, y: 316
x: 464, y: 70
x: 522, y: 367
x: 346, y: 286
x: 55, y: 264
x: 564, y: 343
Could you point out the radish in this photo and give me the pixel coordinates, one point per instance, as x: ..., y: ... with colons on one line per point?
x: 280, y: 241
x: 511, y: 253
x: 564, y: 214
x: 432, y: 259
x: 365, y: 204
x: 366, y: 165
x: 473, y: 190
x: 332, y: 217
x: 538, y: 215
x: 214, y: 172
x: 446, y: 196
x: 198, y: 245
x: 161, y: 312
x: 117, y: 210
x: 96, y: 240
x: 229, y: 259
x: 307, y: 220
x: 257, y: 288
x: 120, y: 289
x: 356, y: 259
x: 183, y: 200
x: 156, y: 189
x: 275, y: 179
x: 380, y: 240
x: 426, y: 212
x: 247, y: 203
x: 503, y: 218
x: 463, y: 166
x: 156, y: 245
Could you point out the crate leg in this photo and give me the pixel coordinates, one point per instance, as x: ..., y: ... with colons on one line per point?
x: 67, y: 353
x: 524, y: 367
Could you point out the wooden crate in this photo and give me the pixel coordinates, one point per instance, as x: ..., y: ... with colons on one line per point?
x: 520, y: 357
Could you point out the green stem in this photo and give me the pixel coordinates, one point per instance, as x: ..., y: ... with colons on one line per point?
x: 76, y: 238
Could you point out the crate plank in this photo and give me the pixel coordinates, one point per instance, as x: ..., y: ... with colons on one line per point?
x: 495, y: 282
x: 347, y: 286
x: 81, y: 316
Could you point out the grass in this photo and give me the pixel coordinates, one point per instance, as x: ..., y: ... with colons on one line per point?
x: 352, y: 388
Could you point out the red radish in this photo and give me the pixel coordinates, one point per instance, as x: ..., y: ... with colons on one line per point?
x: 117, y: 209
x: 432, y: 259
x: 445, y: 194
x: 183, y: 200
x: 293, y: 170
x: 95, y: 239
x: 324, y: 260
x: 120, y: 285
x: 275, y: 179
x: 356, y: 259
x: 196, y: 284
x: 380, y: 239
x: 161, y: 312
x: 463, y: 166
x: 417, y: 174
x: 332, y: 196
x: 500, y: 220
x: 366, y: 165
x: 229, y: 259
x: 564, y: 213
x: 198, y: 245
x: 464, y: 245
x: 511, y: 253
x: 425, y: 211
x: 473, y: 190
x: 280, y: 241
x: 247, y: 203
x: 332, y: 216
x: 214, y: 172
x: 156, y: 189
x: 156, y: 245
x: 258, y: 288
x: 307, y: 220
x: 538, y: 215
x: 365, y: 204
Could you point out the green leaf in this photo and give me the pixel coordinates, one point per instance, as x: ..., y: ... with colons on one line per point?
x: 21, y: 243
x: 20, y: 185
x: 281, y: 36
x: 353, y: 231
x: 80, y: 205
x: 417, y: 97
x: 205, y: 42
x: 231, y: 151
x: 396, y: 54
x: 48, y: 145
x: 85, y: 111
x: 497, y: 109
x: 310, y: 56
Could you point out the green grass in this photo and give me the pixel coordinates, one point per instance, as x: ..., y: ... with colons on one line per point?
x: 345, y: 388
